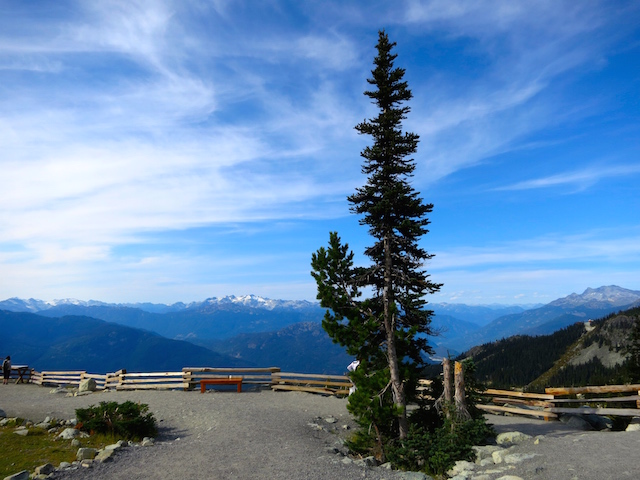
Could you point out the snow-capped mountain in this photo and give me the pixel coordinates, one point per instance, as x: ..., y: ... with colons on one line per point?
x: 250, y: 301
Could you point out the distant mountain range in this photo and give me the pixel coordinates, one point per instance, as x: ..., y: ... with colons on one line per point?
x: 84, y: 343
x: 264, y: 332
x: 592, y: 303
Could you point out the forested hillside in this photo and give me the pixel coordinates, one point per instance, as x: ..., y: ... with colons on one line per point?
x: 584, y: 353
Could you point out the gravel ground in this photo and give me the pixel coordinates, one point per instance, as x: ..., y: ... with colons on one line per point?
x: 267, y: 435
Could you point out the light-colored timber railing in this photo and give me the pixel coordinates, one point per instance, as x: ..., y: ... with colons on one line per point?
x: 313, y: 383
x: 550, y: 405
x: 189, y: 379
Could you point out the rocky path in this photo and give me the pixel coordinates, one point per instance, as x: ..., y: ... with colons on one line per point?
x: 277, y: 435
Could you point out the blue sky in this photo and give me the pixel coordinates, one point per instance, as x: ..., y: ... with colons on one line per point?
x: 173, y: 151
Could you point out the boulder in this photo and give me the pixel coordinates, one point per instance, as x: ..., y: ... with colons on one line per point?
x: 484, y: 452
x: 86, y: 454
x: 577, y: 422
x: 512, y: 438
x: 105, y: 455
x: 45, y: 469
x: 518, y: 457
x: 461, y: 467
x: 3, y: 414
x: 23, y: 475
x: 367, y: 462
x: 413, y: 476
x: 598, y: 422
x: 69, y: 434
x: 87, y: 385
x: 634, y: 425
x: 147, y: 442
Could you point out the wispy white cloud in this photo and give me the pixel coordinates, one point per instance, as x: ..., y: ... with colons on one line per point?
x: 122, y: 119
x: 605, y: 246
x: 580, y: 179
x: 527, y: 50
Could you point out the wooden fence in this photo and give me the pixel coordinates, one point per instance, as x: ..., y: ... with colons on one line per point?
x: 314, y: 383
x: 548, y: 405
x: 189, y: 379
x: 556, y: 401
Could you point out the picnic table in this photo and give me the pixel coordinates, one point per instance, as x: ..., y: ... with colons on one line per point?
x: 20, y: 370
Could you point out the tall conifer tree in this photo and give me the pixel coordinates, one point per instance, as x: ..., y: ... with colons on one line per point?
x: 386, y: 331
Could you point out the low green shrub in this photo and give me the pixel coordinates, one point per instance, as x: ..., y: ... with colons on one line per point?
x: 128, y: 420
x: 436, y: 451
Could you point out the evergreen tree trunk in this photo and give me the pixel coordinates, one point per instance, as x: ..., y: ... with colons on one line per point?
x: 397, y: 387
x: 462, y: 412
x: 446, y: 382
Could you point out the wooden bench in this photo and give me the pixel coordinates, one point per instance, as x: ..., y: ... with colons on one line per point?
x: 220, y: 381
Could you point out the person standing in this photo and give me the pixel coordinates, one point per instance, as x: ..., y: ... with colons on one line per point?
x: 6, y: 370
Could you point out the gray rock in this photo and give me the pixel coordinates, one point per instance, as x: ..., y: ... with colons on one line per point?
x: 413, y: 476
x: 576, y: 421
x: 518, y: 457
x: 68, y: 434
x: 86, y: 454
x: 509, y: 477
x: 512, y: 438
x: 45, y: 469
x: 3, y: 414
x: 484, y: 452
x: 498, y: 455
x: 105, y: 456
x: 330, y: 420
x: 61, y: 390
x: 367, y: 462
x: 461, y: 467
x: 481, y: 477
x: 148, y: 442
x: 23, y: 432
x: 87, y: 385
x: 634, y: 425
x: 76, y: 443
x: 23, y: 475
x: 64, y: 465
x: 599, y: 422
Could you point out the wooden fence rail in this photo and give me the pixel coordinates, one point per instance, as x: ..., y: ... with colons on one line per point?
x: 313, y: 383
x: 549, y: 406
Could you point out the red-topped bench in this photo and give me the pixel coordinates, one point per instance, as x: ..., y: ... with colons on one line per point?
x: 221, y: 381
